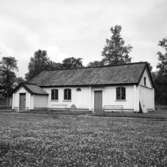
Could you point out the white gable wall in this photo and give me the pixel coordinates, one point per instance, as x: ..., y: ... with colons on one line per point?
x: 146, y: 97
x: 146, y: 93
x: 16, y: 100
x: 148, y: 82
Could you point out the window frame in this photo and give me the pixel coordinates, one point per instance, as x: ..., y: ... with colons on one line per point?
x: 67, y: 94
x: 120, y: 93
x: 55, y: 94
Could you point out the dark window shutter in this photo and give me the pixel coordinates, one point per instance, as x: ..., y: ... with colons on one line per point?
x: 118, y: 93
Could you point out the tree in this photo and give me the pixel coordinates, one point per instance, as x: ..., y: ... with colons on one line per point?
x: 115, y: 51
x: 162, y: 66
x: 161, y: 77
x: 150, y: 66
x: 8, y: 76
x: 38, y: 63
x: 18, y: 81
x: 72, y: 62
x: 54, y: 66
x: 95, y: 64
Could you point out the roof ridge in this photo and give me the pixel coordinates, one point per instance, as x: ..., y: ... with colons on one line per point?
x: 103, y: 66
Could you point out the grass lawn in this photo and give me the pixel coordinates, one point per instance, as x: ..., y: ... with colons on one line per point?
x: 46, y: 140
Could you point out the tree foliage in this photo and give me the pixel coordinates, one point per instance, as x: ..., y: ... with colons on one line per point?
x: 162, y: 66
x: 115, y: 51
x: 149, y: 66
x: 95, y: 64
x: 19, y: 80
x: 72, y: 62
x: 37, y: 63
x: 40, y: 62
x: 161, y: 89
x: 8, y: 76
x: 54, y: 66
x: 161, y: 77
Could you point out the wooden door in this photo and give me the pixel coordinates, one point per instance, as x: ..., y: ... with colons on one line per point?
x: 22, y: 103
x: 98, y: 101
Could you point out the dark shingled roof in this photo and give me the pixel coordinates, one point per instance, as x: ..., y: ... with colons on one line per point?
x: 31, y: 88
x: 34, y: 89
x: 92, y: 76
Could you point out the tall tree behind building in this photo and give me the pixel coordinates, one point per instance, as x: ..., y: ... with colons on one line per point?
x: 161, y: 78
x: 37, y: 63
x: 8, y: 76
x: 162, y: 57
x: 40, y: 61
x: 72, y: 62
x: 115, y: 51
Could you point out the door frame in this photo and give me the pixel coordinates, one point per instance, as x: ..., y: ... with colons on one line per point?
x: 20, y: 100
x: 98, y: 90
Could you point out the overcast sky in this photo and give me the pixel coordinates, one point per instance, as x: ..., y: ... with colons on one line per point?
x: 79, y: 28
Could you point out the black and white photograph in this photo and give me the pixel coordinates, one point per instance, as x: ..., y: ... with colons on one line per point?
x: 83, y: 83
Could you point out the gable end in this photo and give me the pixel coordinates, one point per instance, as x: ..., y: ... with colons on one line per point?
x: 146, y: 68
x: 29, y: 90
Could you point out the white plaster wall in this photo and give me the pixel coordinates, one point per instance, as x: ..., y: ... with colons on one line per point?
x: 85, y: 98
x: 81, y: 99
x: 31, y: 101
x: 109, y: 97
x: 40, y: 101
x: 16, y: 100
x: 136, y: 98
x: 146, y: 97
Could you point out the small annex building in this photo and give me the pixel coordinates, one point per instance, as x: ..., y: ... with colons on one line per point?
x: 29, y: 96
x: 127, y: 87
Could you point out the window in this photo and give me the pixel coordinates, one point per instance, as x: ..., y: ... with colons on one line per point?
x: 120, y: 93
x: 54, y: 94
x: 144, y: 81
x: 67, y: 94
